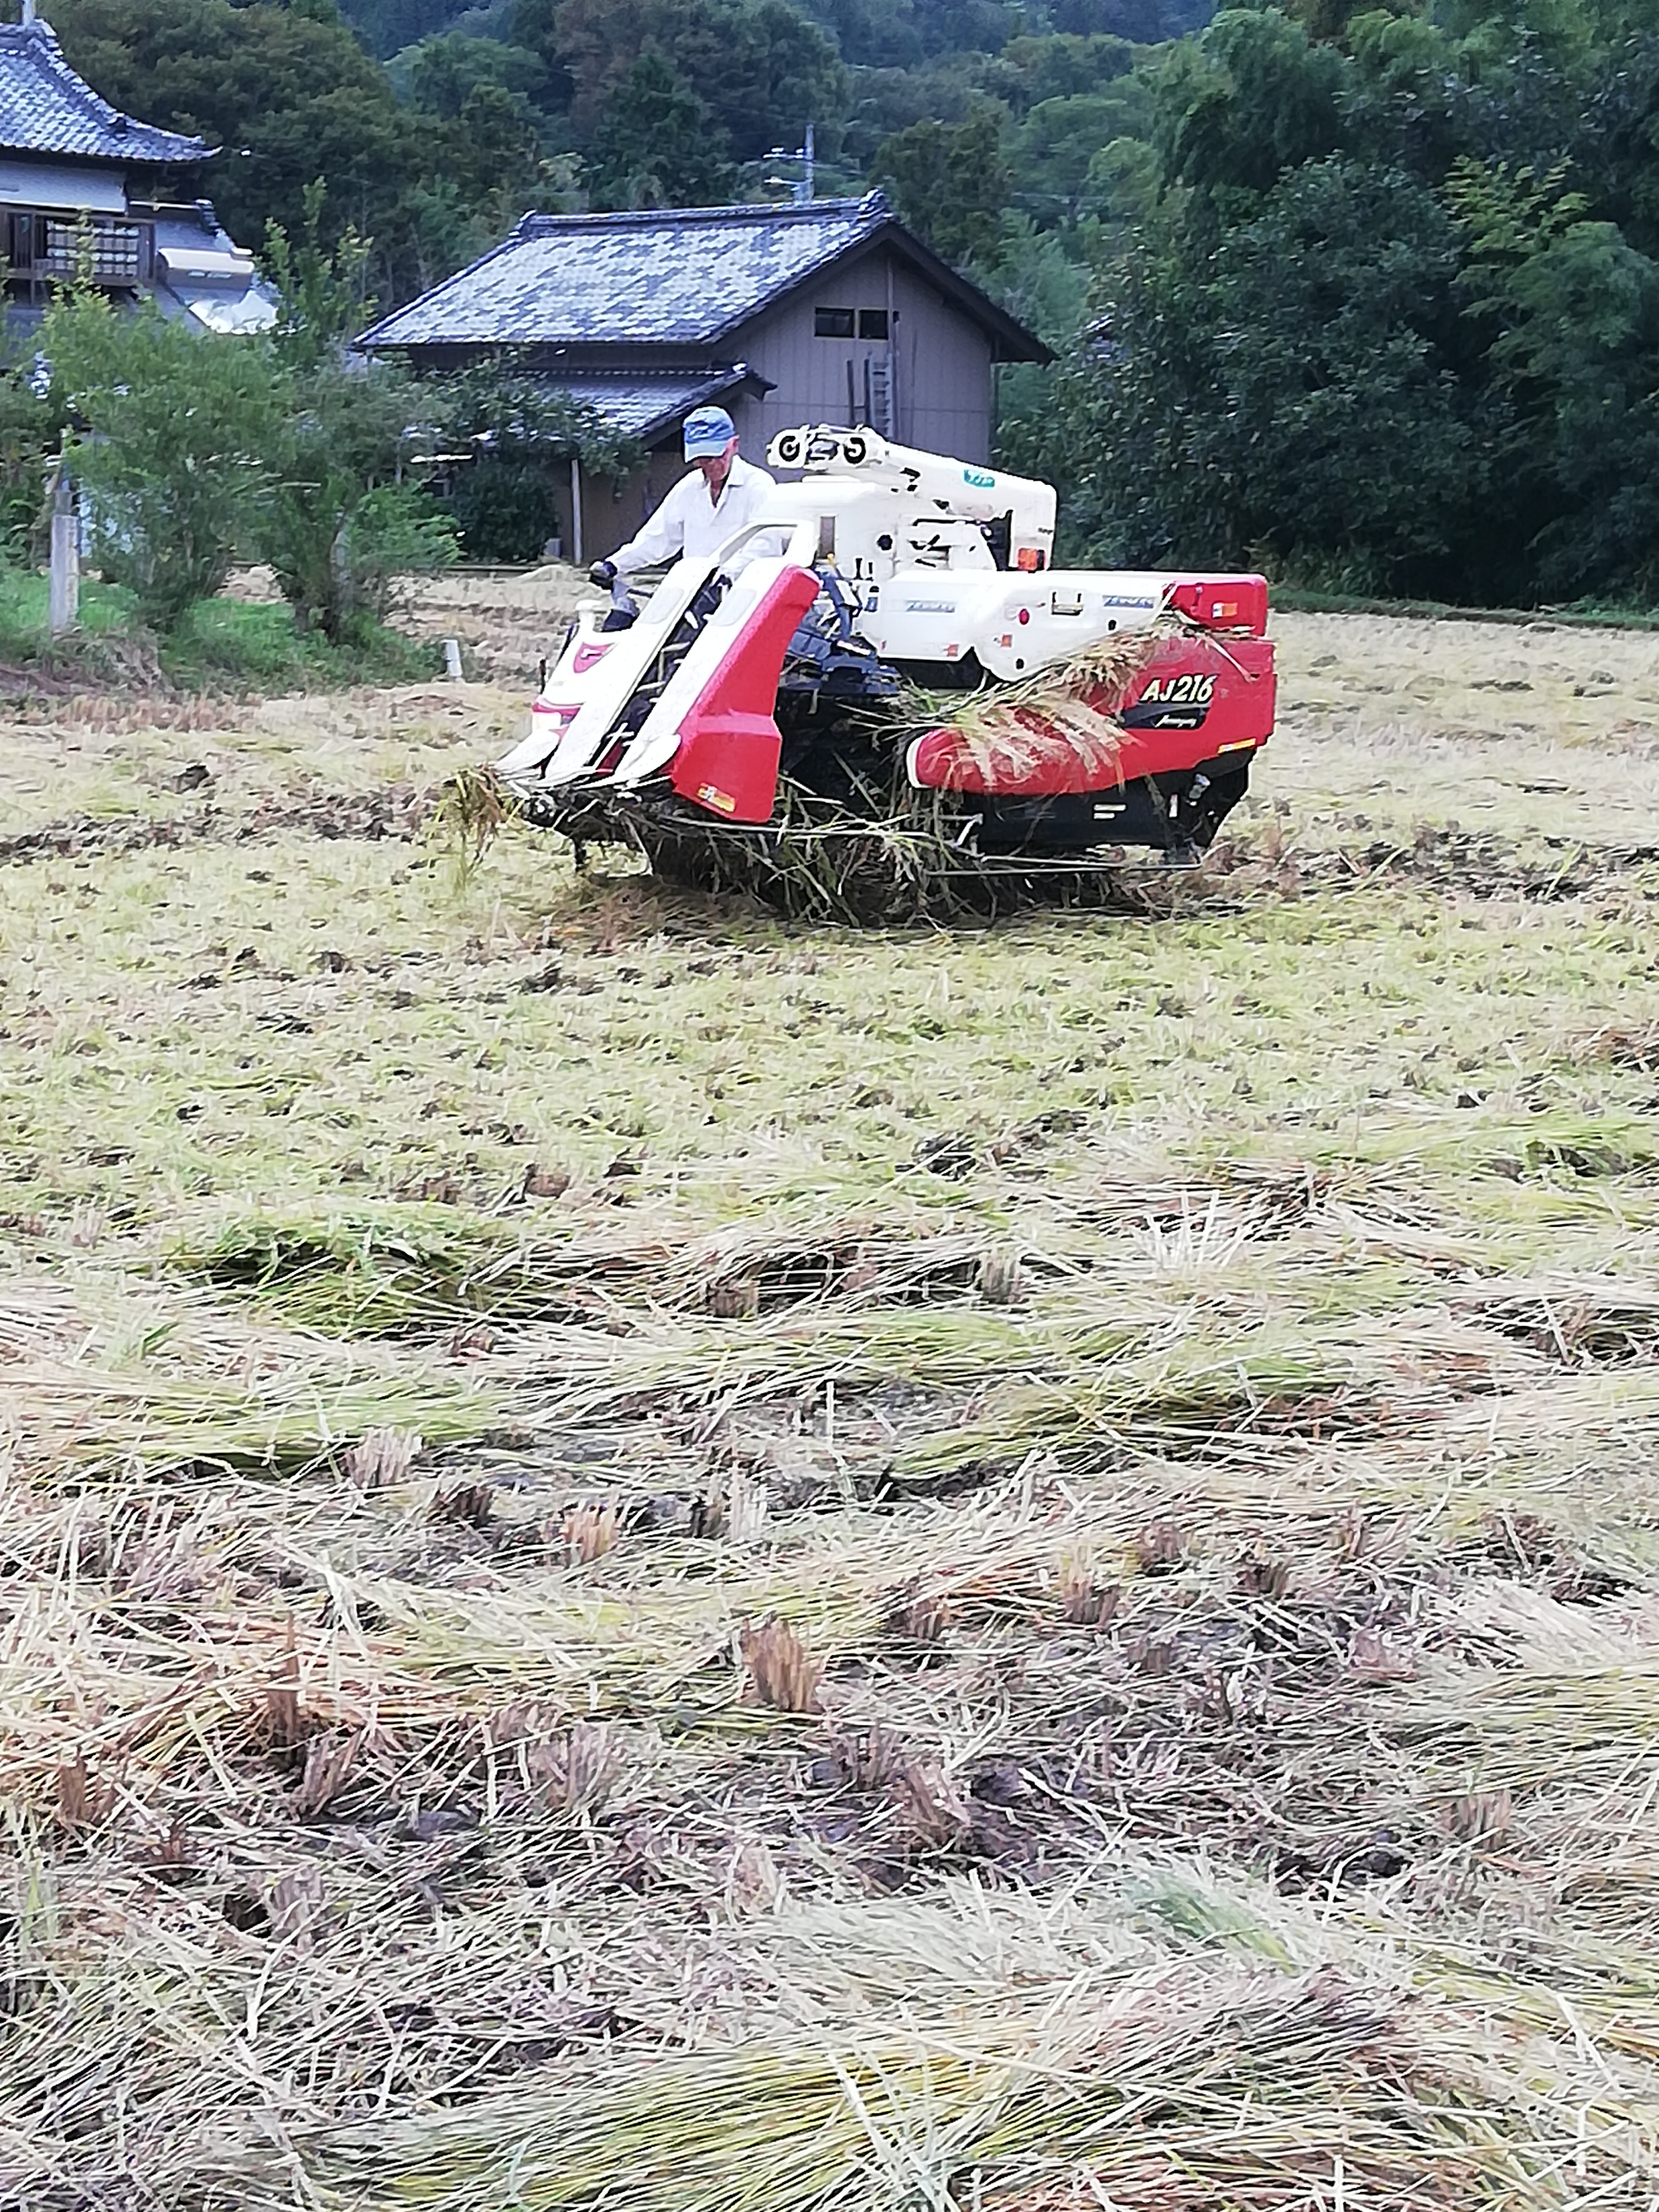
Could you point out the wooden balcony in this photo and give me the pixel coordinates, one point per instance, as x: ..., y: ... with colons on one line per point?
x: 108, y: 249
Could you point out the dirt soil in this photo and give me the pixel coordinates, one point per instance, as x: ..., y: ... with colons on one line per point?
x: 653, y: 1558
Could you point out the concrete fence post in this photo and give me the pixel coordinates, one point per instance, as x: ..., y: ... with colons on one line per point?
x: 63, y: 603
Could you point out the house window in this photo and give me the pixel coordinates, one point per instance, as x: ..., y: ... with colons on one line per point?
x: 111, y: 252
x: 832, y: 322
x: 872, y: 322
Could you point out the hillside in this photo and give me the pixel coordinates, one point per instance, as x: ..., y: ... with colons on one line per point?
x: 386, y: 25
x: 867, y: 34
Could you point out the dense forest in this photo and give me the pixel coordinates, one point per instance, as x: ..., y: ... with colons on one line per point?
x: 1368, y: 294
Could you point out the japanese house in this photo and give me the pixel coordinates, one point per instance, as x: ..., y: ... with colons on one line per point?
x: 826, y: 311
x: 86, y: 190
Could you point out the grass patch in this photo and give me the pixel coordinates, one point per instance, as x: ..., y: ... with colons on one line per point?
x: 225, y: 644
x: 107, y: 610
x: 1292, y: 598
x: 222, y: 644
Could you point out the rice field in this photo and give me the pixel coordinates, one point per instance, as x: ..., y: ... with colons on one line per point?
x: 654, y: 1560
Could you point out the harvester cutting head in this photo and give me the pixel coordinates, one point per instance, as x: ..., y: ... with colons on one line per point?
x: 881, y: 694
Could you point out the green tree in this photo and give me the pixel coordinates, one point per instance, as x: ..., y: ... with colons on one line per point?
x: 505, y: 406
x: 974, y: 26
x: 337, y: 528
x: 762, y: 69
x: 322, y: 292
x: 656, y: 144
x: 1059, y: 67
x: 440, y: 74
x: 1051, y: 152
x: 195, y: 450
x: 385, y: 26
x: 333, y: 519
x: 1572, y: 312
x: 874, y: 33
x: 1253, y: 97
x: 173, y: 429
x: 287, y: 97
x: 499, y: 161
x: 1285, y: 394
x: 1343, y: 432
x: 30, y: 428
x: 949, y: 183
x: 1146, y: 22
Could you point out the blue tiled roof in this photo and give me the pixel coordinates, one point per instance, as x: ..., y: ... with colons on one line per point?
x: 669, y: 276
x: 45, y: 108
x: 641, y: 402
x: 685, y: 277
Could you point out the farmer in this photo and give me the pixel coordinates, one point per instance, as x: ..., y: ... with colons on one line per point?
x: 721, y: 494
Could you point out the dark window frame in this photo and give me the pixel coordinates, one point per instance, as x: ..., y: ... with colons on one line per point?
x: 834, y: 323
x: 872, y: 323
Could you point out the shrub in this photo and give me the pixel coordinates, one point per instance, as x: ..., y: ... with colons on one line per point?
x: 335, y: 524
x: 172, y: 432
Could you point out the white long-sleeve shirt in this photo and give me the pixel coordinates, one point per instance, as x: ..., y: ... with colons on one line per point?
x: 689, y: 522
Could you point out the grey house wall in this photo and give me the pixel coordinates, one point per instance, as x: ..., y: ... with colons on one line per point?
x: 938, y: 364
x: 612, y: 512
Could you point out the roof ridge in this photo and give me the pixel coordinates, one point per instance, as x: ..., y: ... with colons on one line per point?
x: 38, y: 38
x: 535, y: 224
x: 674, y: 372
x: 74, y: 83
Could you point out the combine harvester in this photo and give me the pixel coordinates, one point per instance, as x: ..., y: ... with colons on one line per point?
x: 898, y: 706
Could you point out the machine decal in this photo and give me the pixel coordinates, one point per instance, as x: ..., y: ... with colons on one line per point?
x: 981, y: 479
x: 1165, y: 718
x: 1198, y: 691
x: 586, y: 657
x: 1173, y: 702
x: 930, y: 607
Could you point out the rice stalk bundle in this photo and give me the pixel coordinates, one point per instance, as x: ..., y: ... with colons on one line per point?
x: 473, y: 810
x: 1009, y: 743
x: 400, y: 1270
x: 1528, y: 1730
x: 565, y: 1376
x: 75, y: 1420
x: 1247, y: 2089
x: 1008, y: 730
x: 389, y: 1269
x: 1194, y: 1390
x: 901, y: 857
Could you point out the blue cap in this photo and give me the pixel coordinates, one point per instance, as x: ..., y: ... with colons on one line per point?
x: 709, y: 432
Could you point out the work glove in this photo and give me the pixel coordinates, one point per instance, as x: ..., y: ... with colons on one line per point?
x: 604, y: 574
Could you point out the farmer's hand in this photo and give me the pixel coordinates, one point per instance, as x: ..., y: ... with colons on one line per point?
x: 604, y: 574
